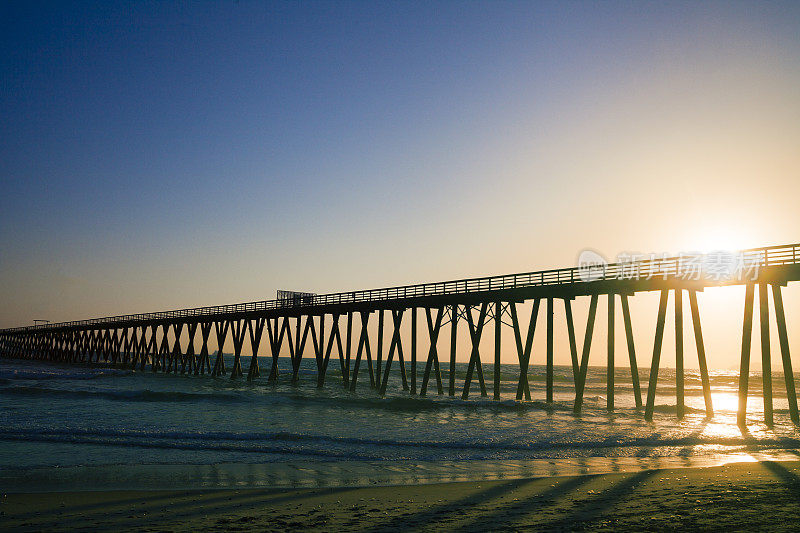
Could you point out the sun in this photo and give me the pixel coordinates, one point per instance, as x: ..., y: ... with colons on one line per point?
x: 716, y: 237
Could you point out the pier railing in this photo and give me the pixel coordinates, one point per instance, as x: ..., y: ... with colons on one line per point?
x: 711, y: 267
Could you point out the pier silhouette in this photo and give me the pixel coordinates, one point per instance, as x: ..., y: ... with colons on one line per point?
x: 302, y: 322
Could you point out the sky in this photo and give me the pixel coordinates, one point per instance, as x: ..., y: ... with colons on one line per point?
x: 158, y: 155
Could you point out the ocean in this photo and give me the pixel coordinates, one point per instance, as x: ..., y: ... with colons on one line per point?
x: 97, y: 427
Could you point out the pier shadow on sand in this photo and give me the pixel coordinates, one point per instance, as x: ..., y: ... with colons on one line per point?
x: 700, y: 498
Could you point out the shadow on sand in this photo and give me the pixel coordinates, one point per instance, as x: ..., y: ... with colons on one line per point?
x: 649, y: 499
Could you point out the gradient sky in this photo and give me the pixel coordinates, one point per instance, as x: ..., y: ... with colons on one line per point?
x: 166, y: 155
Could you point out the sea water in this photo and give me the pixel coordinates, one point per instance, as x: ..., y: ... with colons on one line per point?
x: 67, y: 427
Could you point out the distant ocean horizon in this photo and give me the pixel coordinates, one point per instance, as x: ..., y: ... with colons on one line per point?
x: 97, y: 426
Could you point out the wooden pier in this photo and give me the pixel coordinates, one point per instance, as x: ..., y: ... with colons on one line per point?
x: 324, y: 326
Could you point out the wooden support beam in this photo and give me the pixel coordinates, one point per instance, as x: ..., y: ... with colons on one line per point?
x: 319, y: 351
x: 123, y: 342
x: 109, y: 346
x: 475, y: 331
x: 275, y: 334
x: 626, y: 318
x: 204, y: 363
x: 133, y: 346
x: 114, y: 341
x: 97, y: 346
x: 42, y: 346
x: 651, y: 388
x: 766, y: 359
x: 335, y: 336
x: 524, y: 353
x: 479, y: 372
x: 301, y: 345
x: 221, y: 329
x: 680, y: 408
x: 73, y: 345
x: 433, y: 355
x: 106, y: 345
x: 155, y: 361
x: 118, y: 340
x: 148, y: 346
x: 379, y: 346
x: 238, y: 332
x: 395, y: 344
x: 744, y: 367
x: 343, y: 362
x: 152, y: 351
x: 176, y: 355
x: 498, y: 315
x: 610, y: 366
x: 453, y: 335
x: 297, y: 353
x: 363, y: 347
x: 701, y: 353
x: 164, y: 351
x: 256, y: 330
x: 189, y: 359
x: 573, y: 347
x: 349, y: 340
x: 401, y: 360
x: 587, y: 345
x: 151, y: 348
x: 413, y: 350
x: 549, y: 360
x: 287, y: 335
x: 315, y: 339
x: 783, y: 337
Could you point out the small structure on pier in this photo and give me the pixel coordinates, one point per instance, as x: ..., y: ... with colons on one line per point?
x: 295, y: 298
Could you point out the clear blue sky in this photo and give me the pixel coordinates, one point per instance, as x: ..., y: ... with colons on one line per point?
x: 163, y: 155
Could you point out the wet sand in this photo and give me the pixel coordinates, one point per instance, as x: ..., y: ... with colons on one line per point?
x: 738, y: 496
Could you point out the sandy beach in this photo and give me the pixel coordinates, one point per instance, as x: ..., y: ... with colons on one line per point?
x: 737, y: 496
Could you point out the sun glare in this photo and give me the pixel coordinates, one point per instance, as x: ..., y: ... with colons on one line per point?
x: 720, y: 237
x: 725, y: 401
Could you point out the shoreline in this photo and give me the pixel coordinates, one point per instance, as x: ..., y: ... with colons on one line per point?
x: 737, y: 495
x: 288, y: 475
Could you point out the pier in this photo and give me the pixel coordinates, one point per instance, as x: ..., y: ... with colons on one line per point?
x: 336, y: 325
